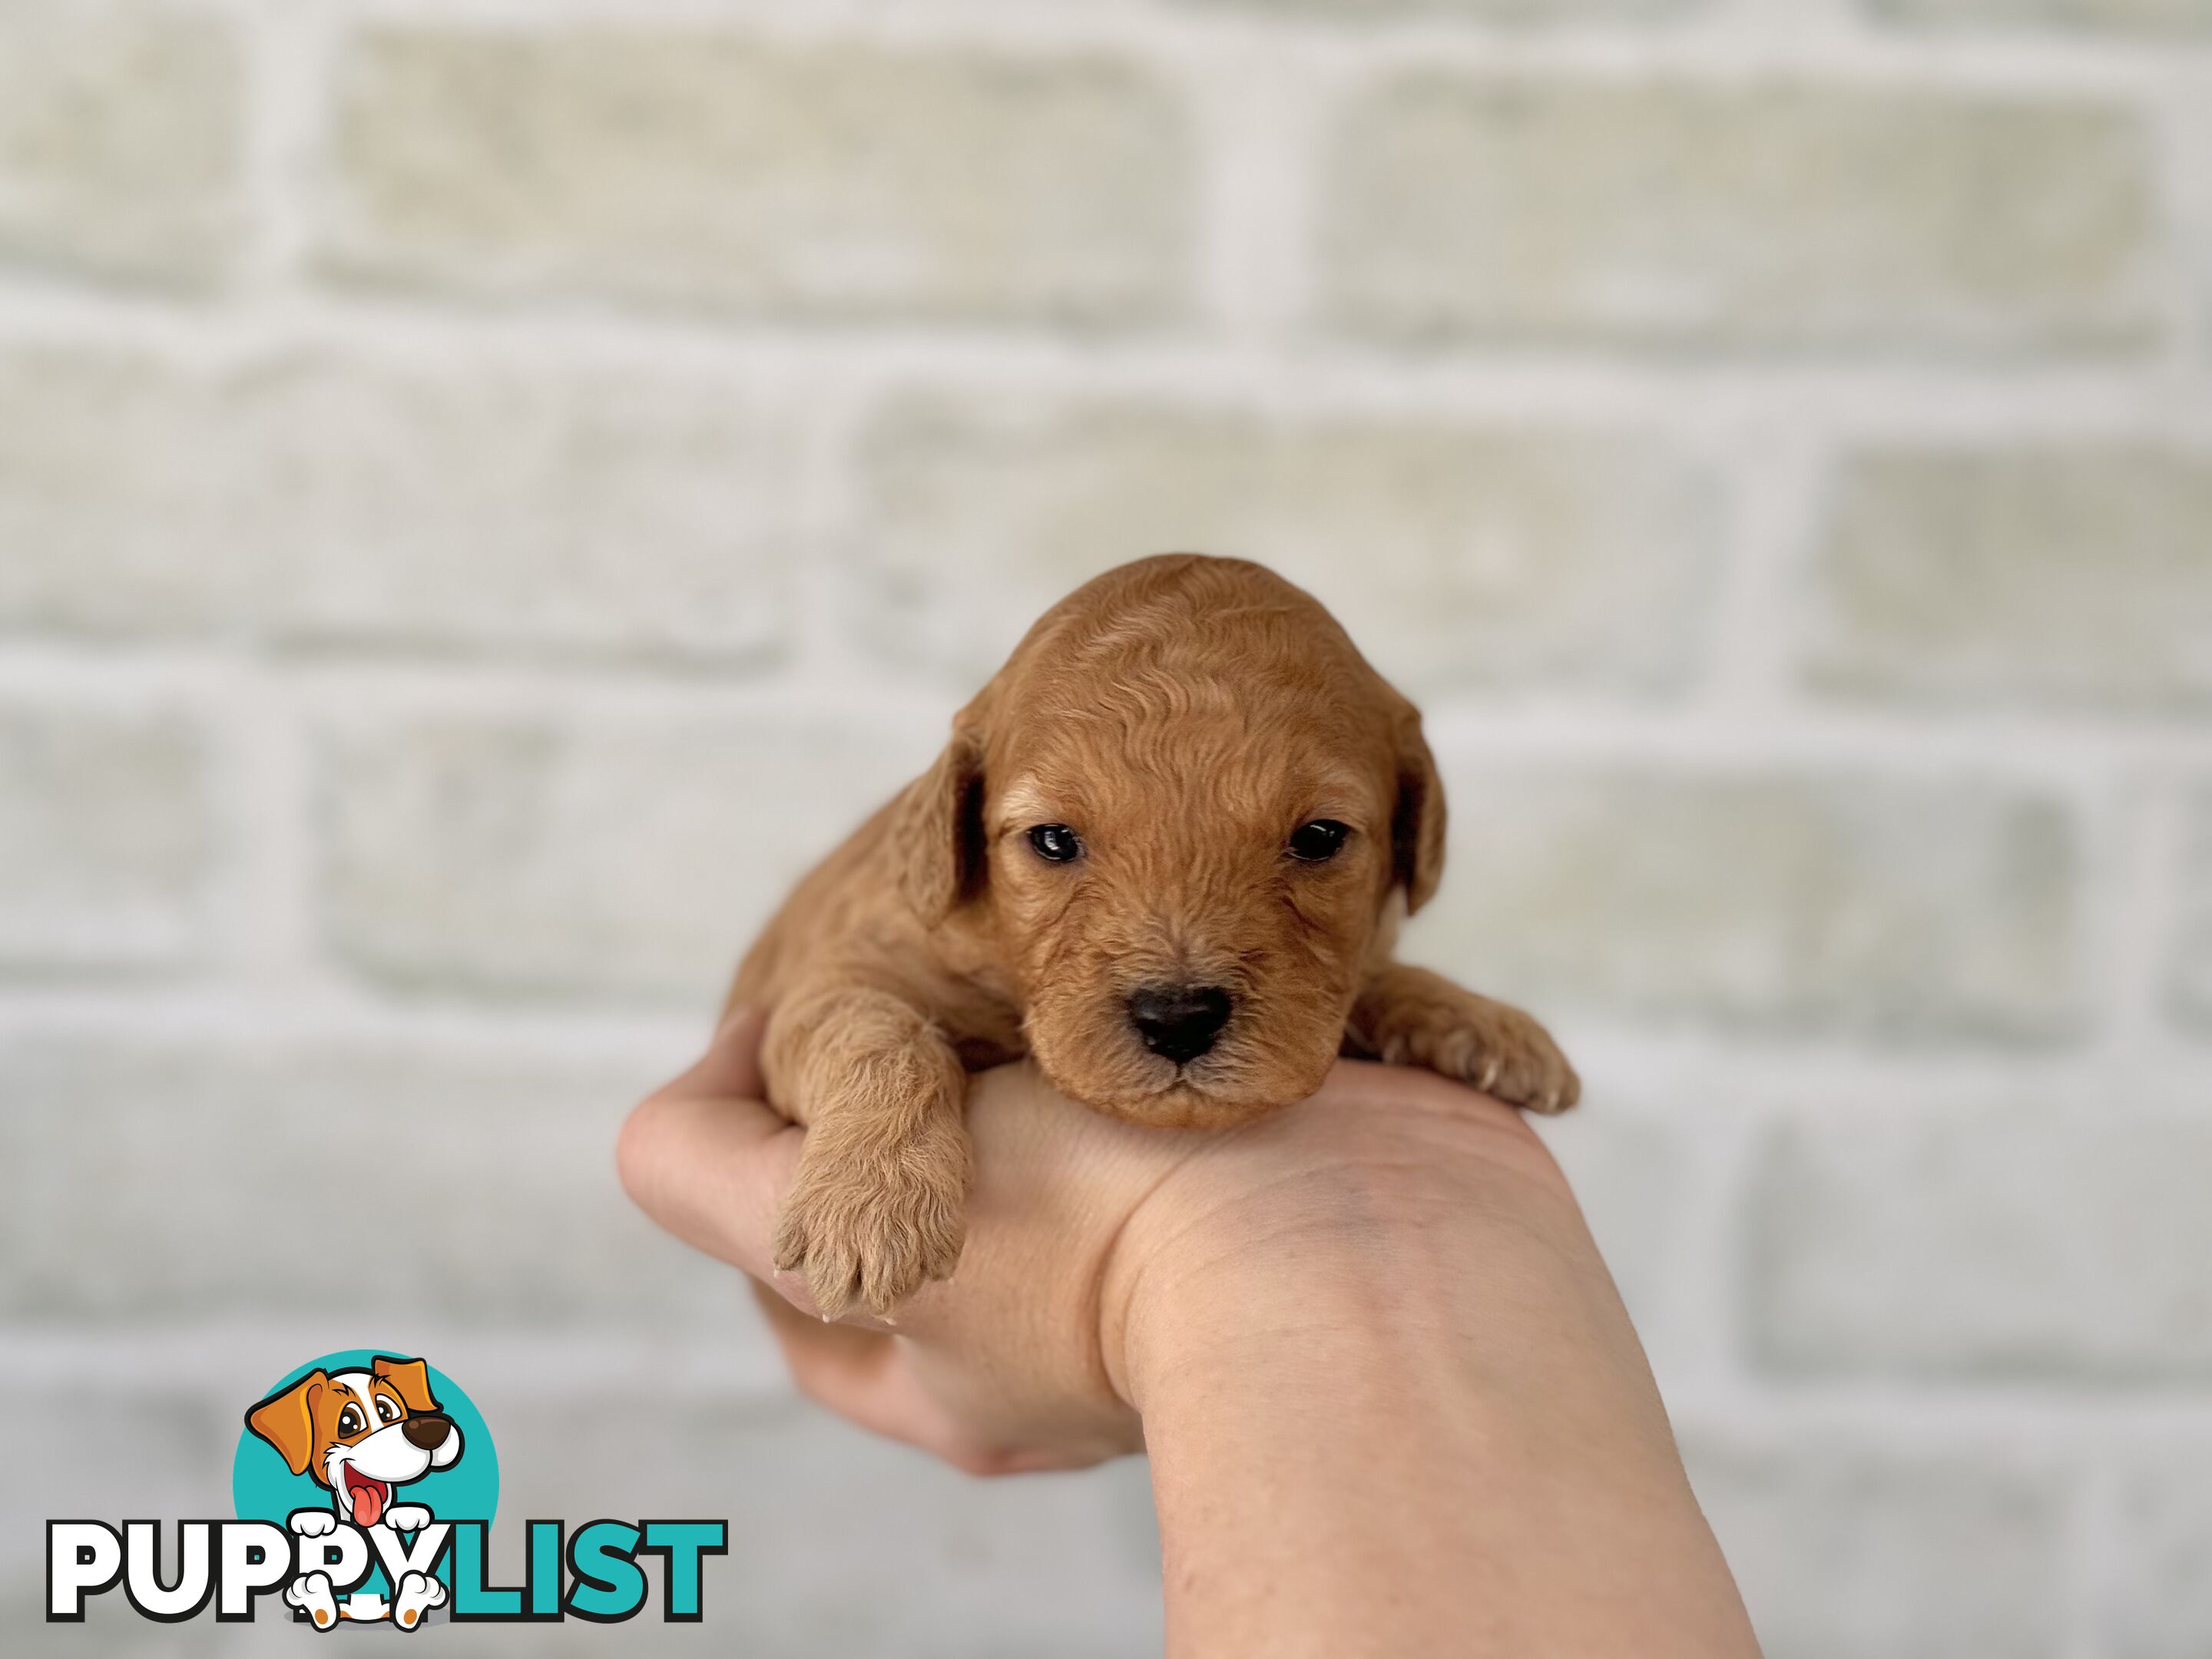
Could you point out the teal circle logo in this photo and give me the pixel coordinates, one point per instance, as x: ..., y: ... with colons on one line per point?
x: 367, y: 1435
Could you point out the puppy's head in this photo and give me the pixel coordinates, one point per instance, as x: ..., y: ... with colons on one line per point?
x: 1186, y: 811
x: 361, y: 1433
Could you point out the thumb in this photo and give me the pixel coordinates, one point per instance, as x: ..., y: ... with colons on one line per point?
x: 707, y: 1159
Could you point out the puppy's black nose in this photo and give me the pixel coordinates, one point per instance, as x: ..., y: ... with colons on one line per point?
x: 428, y: 1430
x: 1179, y: 1022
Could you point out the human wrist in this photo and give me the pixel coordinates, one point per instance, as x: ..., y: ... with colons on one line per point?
x: 1281, y: 1313
x: 1310, y: 1394
x: 1381, y: 1217
x: 1401, y: 1362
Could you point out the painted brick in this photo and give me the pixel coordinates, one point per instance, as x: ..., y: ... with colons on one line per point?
x: 112, y: 1631
x: 163, y: 1182
x: 1854, y: 1552
x: 107, y: 837
x: 1482, y: 11
x: 2005, y: 1242
x: 1784, y: 902
x: 1463, y: 556
x: 110, y: 1449
x: 121, y: 143
x: 628, y: 858
x: 702, y: 169
x: 1630, y: 1174
x: 2150, y: 16
x: 1779, y: 213
x: 2189, y: 979
x: 2152, y: 1598
x: 2072, y: 577
x: 324, y: 501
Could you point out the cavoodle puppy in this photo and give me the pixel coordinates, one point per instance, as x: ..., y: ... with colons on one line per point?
x: 1165, y: 853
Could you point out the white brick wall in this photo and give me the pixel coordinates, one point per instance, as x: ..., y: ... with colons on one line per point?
x: 488, y: 491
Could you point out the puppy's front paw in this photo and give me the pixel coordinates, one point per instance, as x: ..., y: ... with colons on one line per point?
x: 872, y: 1224
x: 407, y: 1518
x: 1413, y: 1018
x: 312, y: 1523
x: 1504, y: 1052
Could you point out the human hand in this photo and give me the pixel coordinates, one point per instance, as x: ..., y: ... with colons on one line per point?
x: 999, y: 1370
x: 1392, y: 1402
x: 1079, y: 1224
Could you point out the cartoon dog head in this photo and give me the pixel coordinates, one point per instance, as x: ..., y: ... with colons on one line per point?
x: 362, y: 1434
x: 1188, y: 813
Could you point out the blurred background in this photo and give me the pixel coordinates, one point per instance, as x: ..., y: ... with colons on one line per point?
x: 490, y: 492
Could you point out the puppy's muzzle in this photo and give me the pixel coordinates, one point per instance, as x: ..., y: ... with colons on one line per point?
x: 426, y: 1431
x: 1180, y: 1022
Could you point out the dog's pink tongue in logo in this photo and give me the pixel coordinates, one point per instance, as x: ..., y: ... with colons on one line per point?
x: 367, y: 1497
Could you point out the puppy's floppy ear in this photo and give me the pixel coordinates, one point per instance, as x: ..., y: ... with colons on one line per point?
x: 1417, y: 823
x: 938, y: 830
x: 287, y: 1420
x: 411, y: 1376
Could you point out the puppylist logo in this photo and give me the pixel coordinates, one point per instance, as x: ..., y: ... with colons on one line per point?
x: 364, y: 1484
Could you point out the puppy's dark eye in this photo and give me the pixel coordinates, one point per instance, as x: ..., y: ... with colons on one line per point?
x: 350, y: 1420
x: 1056, y: 842
x: 1318, y: 842
x: 385, y: 1410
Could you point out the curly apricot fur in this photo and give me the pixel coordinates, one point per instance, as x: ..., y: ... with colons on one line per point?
x: 1183, y: 714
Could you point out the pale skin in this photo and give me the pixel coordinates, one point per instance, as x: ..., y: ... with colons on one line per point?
x: 1392, y: 1400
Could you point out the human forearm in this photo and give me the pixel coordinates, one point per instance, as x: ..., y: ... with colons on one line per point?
x: 1392, y: 1404
x: 1426, y: 1431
